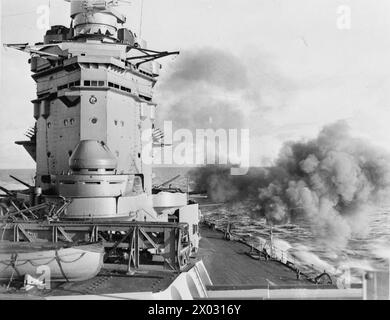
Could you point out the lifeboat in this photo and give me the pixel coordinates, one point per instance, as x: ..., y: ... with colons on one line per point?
x: 64, y: 263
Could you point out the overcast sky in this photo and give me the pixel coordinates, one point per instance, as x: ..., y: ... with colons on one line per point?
x: 319, y: 72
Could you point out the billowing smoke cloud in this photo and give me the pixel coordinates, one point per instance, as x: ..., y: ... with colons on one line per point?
x: 221, y: 186
x: 332, y: 182
x: 208, y: 88
x: 212, y: 88
x: 205, y: 67
x: 201, y: 89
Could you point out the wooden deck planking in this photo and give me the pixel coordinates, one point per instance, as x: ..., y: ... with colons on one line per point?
x: 229, y: 265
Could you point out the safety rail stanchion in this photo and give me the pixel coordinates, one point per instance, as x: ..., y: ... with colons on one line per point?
x: 274, y: 253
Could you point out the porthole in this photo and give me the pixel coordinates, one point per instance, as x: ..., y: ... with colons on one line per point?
x: 72, y: 121
x: 94, y: 120
x: 49, y: 125
x: 93, y: 100
x: 116, y: 122
x: 66, y: 122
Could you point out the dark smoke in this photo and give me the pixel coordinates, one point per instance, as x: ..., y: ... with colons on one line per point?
x: 332, y: 182
x: 213, y: 88
x: 207, y: 67
x: 221, y: 186
x: 194, y: 94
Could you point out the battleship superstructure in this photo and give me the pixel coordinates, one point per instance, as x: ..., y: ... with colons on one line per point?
x: 93, y: 109
x: 95, y: 115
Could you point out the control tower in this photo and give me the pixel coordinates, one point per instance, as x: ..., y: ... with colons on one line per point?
x: 93, y: 110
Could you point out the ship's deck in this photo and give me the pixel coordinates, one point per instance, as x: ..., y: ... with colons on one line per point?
x: 227, y: 262
x: 105, y: 284
x: 230, y: 266
x: 108, y: 283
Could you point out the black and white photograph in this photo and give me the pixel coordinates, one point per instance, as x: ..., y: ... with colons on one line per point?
x: 211, y: 151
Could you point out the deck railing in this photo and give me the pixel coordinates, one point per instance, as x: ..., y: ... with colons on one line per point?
x: 269, y: 251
